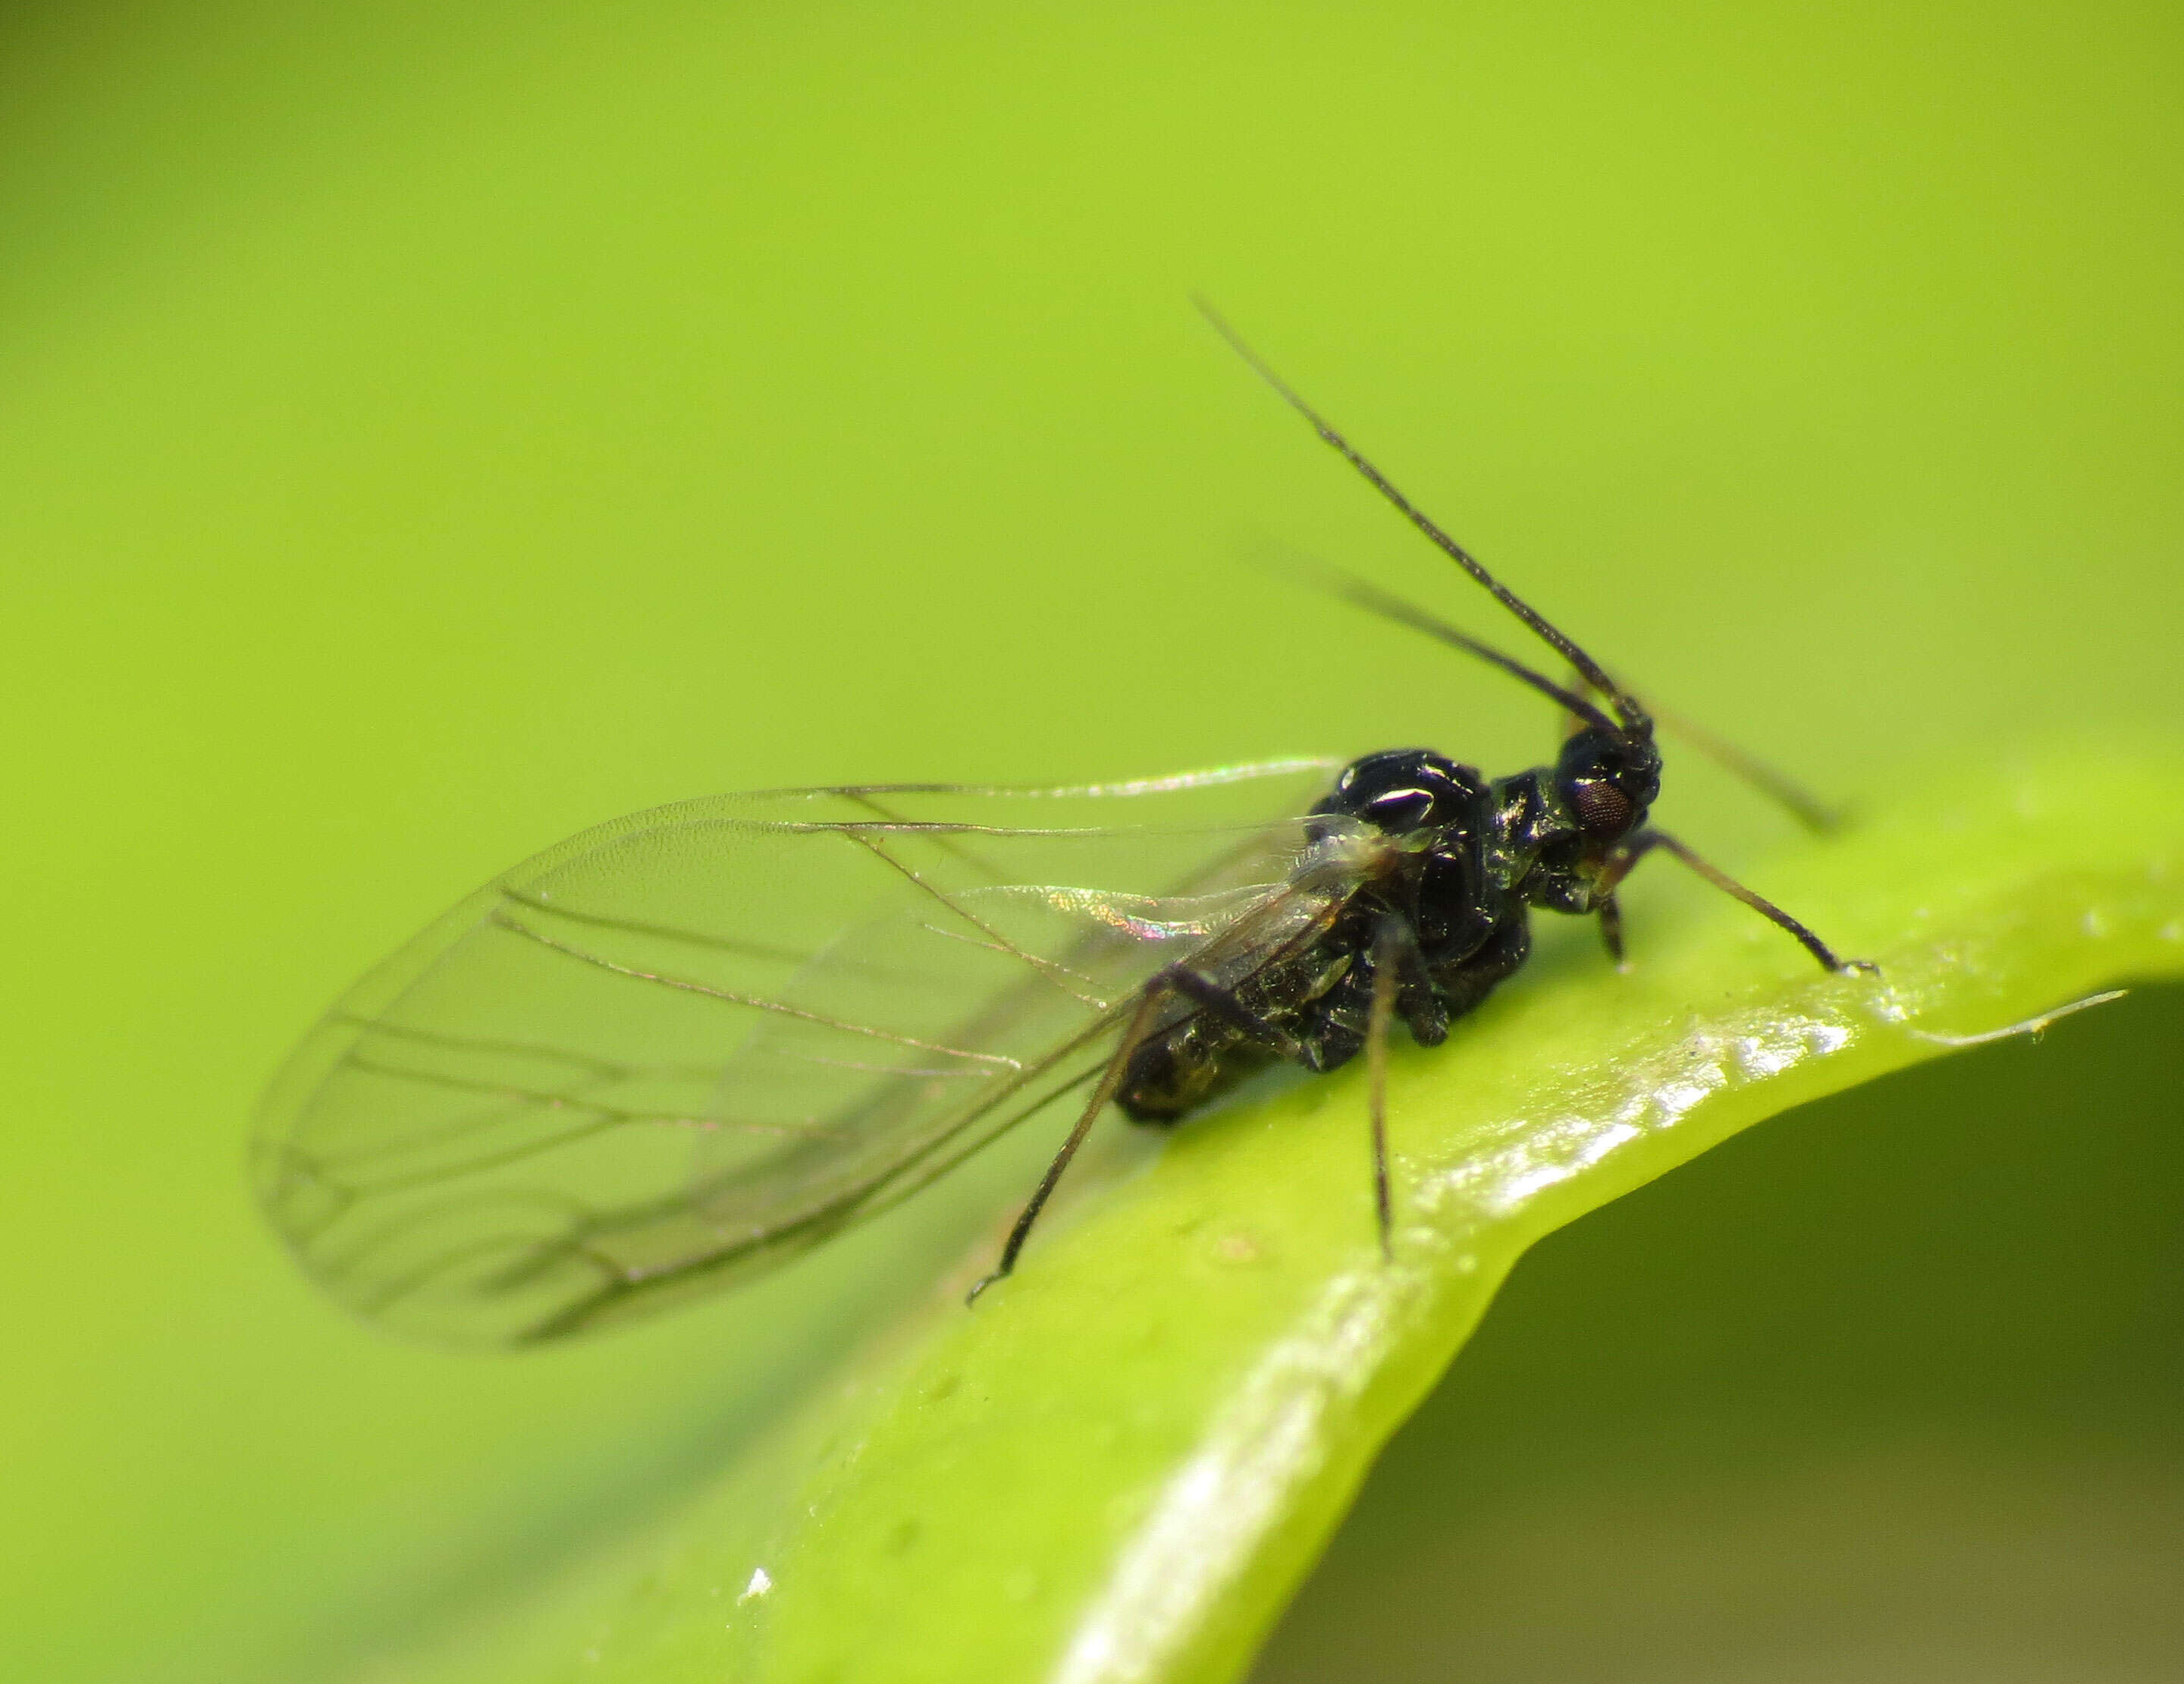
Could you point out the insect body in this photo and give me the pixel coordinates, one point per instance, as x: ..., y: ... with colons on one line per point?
x: 1452, y: 865
x: 1442, y: 870
x: 686, y: 1046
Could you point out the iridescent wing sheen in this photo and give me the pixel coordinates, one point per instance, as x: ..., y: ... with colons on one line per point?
x: 685, y: 1045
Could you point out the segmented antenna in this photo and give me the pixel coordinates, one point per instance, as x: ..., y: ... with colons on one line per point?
x: 1807, y: 808
x: 1635, y: 721
x: 1347, y: 587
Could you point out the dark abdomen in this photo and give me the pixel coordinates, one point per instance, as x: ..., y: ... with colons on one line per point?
x: 1323, y: 999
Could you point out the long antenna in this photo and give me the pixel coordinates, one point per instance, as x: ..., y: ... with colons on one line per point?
x: 1310, y: 571
x: 1633, y: 717
x: 1807, y: 808
x: 1350, y: 588
x: 1816, y: 815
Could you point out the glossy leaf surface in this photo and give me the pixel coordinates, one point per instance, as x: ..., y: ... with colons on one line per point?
x: 1116, y: 1467
x: 429, y: 430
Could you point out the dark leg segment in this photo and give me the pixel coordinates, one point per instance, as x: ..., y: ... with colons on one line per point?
x: 1639, y: 846
x: 1611, y: 928
x: 1222, y: 1003
x: 1394, y: 953
x: 1203, y: 991
x: 1393, y: 935
x: 1109, y: 1080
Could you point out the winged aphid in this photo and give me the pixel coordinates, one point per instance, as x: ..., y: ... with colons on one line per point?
x: 685, y: 1045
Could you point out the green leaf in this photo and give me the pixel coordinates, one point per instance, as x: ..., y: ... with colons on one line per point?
x: 1121, y: 1463
x: 429, y: 430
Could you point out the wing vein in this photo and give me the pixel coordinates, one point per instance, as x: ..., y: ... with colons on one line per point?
x: 757, y: 1001
x: 1046, y: 968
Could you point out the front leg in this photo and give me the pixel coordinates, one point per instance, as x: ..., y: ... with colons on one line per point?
x: 1610, y: 928
x: 1628, y: 853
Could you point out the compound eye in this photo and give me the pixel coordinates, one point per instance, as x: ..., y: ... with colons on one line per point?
x: 1398, y: 810
x: 1603, y: 809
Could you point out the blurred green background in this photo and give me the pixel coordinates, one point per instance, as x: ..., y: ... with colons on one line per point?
x: 1890, y: 1388
x: 425, y: 431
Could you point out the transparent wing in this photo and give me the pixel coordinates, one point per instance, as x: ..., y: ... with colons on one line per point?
x: 689, y: 1044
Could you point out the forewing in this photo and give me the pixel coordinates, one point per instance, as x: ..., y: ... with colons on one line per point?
x: 685, y: 1044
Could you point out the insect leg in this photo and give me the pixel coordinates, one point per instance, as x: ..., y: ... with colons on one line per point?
x: 1389, y: 939
x: 1223, y: 1004
x: 1635, y: 850
x: 1109, y: 1080
x: 1610, y: 928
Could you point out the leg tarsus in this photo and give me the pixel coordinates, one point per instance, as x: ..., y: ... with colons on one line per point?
x: 1109, y: 1080
x: 1648, y: 840
x: 1611, y: 929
